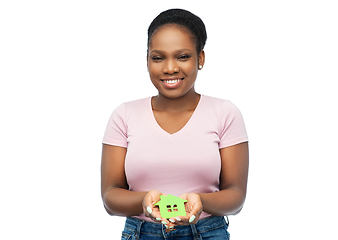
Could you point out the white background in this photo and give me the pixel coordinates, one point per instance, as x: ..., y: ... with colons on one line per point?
x: 65, y: 65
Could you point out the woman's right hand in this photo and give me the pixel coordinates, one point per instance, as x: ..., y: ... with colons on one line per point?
x: 152, y: 197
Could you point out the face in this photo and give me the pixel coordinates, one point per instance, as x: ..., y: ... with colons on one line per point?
x: 173, y: 61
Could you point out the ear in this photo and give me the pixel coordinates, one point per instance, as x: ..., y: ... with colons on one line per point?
x: 201, y: 58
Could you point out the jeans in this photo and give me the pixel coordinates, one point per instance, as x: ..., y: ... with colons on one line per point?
x: 211, y: 228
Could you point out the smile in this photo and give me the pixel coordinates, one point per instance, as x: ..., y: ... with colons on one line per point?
x: 172, y: 81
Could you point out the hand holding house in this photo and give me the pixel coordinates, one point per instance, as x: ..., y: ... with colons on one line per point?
x: 171, y: 206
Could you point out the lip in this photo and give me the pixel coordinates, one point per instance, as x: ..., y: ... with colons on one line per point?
x: 172, y: 82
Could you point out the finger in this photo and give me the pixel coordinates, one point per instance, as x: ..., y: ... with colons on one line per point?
x: 193, y: 215
x: 192, y: 219
x: 157, y: 217
x: 180, y: 220
x: 153, y: 214
x: 149, y: 211
x: 166, y: 223
x: 196, y: 209
x: 148, y: 205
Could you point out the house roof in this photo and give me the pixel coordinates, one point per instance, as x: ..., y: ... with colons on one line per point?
x: 170, y: 199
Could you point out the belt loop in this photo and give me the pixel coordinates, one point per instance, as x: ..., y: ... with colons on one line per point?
x: 227, y: 221
x: 138, y: 230
x: 194, y: 232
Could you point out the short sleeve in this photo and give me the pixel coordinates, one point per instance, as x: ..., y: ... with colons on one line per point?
x: 233, y: 129
x: 116, y: 130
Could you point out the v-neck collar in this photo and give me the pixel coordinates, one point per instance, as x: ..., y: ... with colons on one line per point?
x: 183, y: 128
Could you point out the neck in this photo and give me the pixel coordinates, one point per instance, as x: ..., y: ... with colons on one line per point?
x: 187, y: 102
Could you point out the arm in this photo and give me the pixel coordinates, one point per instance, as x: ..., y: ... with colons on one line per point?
x: 117, y: 199
x: 233, y: 182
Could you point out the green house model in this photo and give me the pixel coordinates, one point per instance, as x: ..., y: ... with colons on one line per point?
x: 171, y: 206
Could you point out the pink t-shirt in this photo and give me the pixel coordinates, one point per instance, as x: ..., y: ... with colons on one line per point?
x: 186, y: 161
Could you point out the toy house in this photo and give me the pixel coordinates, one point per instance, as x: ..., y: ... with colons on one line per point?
x: 171, y: 206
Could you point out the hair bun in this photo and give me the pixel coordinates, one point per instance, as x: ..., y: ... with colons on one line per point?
x: 184, y: 18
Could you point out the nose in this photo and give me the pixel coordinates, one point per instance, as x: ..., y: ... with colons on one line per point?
x: 171, y: 67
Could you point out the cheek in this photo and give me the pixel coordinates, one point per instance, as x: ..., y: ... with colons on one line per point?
x: 190, y: 66
x: 153, y: 74
x: 190, y: 69
x: 154, y: 69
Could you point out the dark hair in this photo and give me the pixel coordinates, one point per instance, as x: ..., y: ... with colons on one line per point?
x: 182, y: 18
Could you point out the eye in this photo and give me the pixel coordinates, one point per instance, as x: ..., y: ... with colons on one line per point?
x: 184, y: 57
x: 156, y: 58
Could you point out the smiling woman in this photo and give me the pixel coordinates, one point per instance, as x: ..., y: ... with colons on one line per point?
x: 179, y: 142
x: 173, y: 62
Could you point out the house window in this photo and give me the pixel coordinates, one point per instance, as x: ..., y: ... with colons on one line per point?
x: 172, y: 208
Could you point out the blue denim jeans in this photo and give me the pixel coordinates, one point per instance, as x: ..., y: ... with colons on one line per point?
x: 211, y: 228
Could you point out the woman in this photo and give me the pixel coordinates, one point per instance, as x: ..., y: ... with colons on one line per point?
x: 178, y: 142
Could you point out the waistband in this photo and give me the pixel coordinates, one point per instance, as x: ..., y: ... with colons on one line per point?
x: 203, y: 225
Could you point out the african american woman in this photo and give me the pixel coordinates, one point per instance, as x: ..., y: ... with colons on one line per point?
x: 178, y: 142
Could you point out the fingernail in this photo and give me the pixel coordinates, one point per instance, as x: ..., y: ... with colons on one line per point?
x: 192, y: 218
x: 164, y: 222
x: 172, y: 220
x: 149, y: 210
x: 178, y: 219
x: 158, y: 219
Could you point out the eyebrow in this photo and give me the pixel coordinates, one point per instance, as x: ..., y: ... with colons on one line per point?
x: 179, y: 50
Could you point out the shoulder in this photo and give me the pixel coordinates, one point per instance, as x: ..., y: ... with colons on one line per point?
x: 138, y: 102
x: 134, y: 103
x: 230, y: 122
x: 220, y: 105
x: 131, y: 106
x: 126, y: 110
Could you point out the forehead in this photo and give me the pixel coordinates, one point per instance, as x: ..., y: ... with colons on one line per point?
x: 171, y: 37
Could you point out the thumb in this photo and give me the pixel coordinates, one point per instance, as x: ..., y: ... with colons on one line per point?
x: 195, y: 212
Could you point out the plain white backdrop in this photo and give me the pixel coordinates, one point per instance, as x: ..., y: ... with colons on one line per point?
x: 65, y: 66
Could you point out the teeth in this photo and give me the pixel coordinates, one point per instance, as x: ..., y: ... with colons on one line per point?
x: 172, y: 81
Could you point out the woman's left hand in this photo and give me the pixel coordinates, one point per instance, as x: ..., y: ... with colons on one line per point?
x: 193, y: 209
